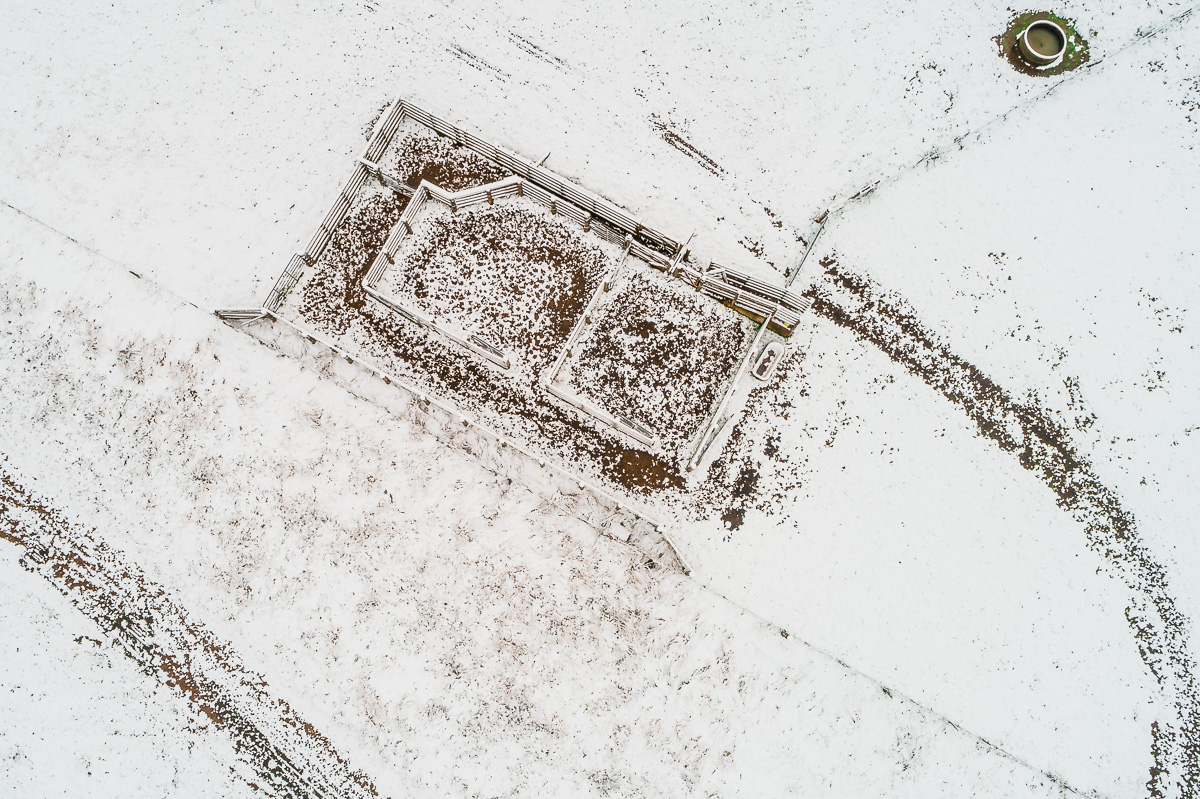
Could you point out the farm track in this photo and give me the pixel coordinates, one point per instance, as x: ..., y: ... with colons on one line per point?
x: 290, y: 758
x: 1043, y: 446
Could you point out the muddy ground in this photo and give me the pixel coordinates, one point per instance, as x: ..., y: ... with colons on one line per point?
x: 423, y: 155
x: 509, y: 272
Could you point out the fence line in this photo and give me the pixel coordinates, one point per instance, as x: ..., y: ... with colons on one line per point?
x: 812, y: 245
x: 336, y: 214
x: 619, y: 423
x: 453, y: 427
x: 714, y: 424
x: 740, y: 291
x: 540, y: 176
x: 471, y: 342
x: 603, y: 288
x: 285, y: 283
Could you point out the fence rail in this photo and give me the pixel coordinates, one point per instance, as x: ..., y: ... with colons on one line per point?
x: 285, y: 283
x: 622, y: 519
x: 540, y: 176
x: 751, y: 296
x: 320, y: 240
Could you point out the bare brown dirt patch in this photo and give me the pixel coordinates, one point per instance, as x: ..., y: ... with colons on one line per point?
x: 444, y: 163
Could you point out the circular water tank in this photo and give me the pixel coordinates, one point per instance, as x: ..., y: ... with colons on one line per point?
x: 1042, y: 43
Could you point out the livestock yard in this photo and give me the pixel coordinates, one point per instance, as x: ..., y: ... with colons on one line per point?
x: 498, y: 400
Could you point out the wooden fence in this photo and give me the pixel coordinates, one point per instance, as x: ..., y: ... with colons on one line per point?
x: 541, y: 177
x: 320, y: 240
x: 572, y: 493
x: 285, y: 283
x: 754, y: 298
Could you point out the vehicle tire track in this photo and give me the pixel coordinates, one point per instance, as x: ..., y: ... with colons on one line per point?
x: 287, y: 754
x: 684, y: 146
x: 529, y: 48
x: 1043, y: 446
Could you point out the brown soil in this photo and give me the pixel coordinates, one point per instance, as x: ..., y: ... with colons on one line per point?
x: 330, y: 301
x: 1043, y: 446
x: 349, y: 252
x: 660, y: 356
x: 287, y: 754
x: 450, y: 166
x: 512, y: 274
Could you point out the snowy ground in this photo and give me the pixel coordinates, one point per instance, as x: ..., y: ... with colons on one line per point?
x: 444, y: 628
x: 77, y: 715
x: 1081, y: 296
x: 200, y: 144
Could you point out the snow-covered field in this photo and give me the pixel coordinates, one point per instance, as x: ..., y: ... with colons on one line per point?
x: 81, y: 720
x: 448, y: 631
x: 455, y: 635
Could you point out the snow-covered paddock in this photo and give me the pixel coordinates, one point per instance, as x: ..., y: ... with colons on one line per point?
x: 449, y: 632
x: 200, y: 144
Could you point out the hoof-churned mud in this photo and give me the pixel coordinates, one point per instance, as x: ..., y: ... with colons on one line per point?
x: 505, y: 272
x: 660, y: 355
x: 290, y: 758
x: 422, y: 155
x: 734, y: 482
x: 332, y: 300
x: 1044, y: 446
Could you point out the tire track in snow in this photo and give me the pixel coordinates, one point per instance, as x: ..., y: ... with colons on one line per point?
x: 1044, y: 447
x: 288, y: 755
